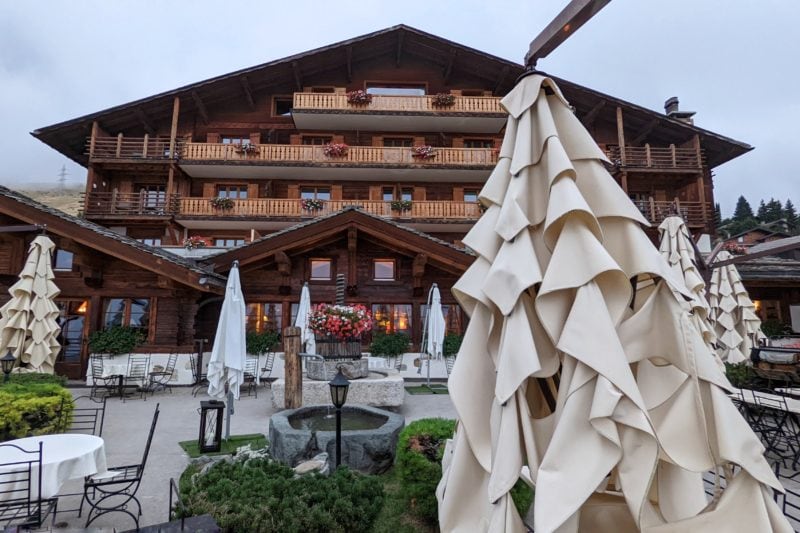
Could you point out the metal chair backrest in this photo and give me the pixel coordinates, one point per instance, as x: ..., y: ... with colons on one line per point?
x: 88, y: 415
x: 21, y: 482
x: 171, y: 362
x: 449, y: 361
x: 251, y: 367
x: 196, y: 372
x: 269, y: 362
x: 138, y: 367
x: 149, y: 440
x: 97, y: 366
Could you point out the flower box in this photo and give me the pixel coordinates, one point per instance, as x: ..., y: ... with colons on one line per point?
x: 443, y: 100
x: 310, y: 204
x: 335, y: 150
x: 401, y: 205
x: 359, y: 97
x: 333, y: 348
x: 224, y: 204
x: 246, y: 149
x: 425, y: 151
x: 338, y: 329
x: 190, y: 243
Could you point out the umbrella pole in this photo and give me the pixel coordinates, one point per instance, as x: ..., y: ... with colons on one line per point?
x: 228, y: 412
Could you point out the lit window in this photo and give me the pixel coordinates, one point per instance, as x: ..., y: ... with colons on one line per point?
x: 392, y: 318
x: 132, y: 312
x: 227, y: 243
x: 470, y: 195
x: 321, y: 269
x: 315, y: 193
x: 453, y: 319
x: 265, y: 317
x: 63, y: 260
x: 383, y: 269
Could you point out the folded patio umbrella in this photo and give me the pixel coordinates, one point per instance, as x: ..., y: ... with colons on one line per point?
x: 29, y: 321
x: 436, y: 325
x: 301, y: 321
x: 580, y: 366
x: 228, y: 356
x: 733, y: 313
x: 677, y: 248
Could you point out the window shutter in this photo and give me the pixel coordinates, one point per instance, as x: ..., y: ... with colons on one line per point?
x: 255, y: 138
x: 252, y: 190
x: 419, y: 141
x: 458, y: 142
x: 419, y: 194
x: 212, y: 137
x: 209, y: 190
x: 293, y: 191
x: 375, y: 193
x: 336, y: 192
x: 458, y: 194
x: 377, y: 141
x: 296, y: 139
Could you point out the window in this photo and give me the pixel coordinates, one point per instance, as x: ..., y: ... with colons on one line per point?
x: 321, y: 269
x: 398, y: 142
x: 470, y: 195
x: 153, y: 196
x: 63, y: 260
x: 71, y: 319
x: 388, y: 194
x: 315, y: 193
x: 236, y: 140
x: 150, y: 241
x: 232, y: 191
x: 383, y: 269
x: 406, y: 194
x: 265, y: 317
x: 478, y: 143
x: 282, y: 106
x: 395, y: 89
x: 132, y: 312
x: 316, y: 140
x: 453, y: 319
x: 392, y: 318
x: 227, y: 243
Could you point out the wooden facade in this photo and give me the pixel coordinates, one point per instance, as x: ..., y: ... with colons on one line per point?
x: 260, y: 138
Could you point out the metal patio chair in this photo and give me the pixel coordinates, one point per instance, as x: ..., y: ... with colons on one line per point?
x: 108, y: 384
x: 160, y: 379
x: 776, y: 426
x: 21, y: 505
x: 115, y: 490
x: 250, y: 375
x: 266, y: 370
x: 200, y: 378
x: 88, y: 414
x: 138, y: 374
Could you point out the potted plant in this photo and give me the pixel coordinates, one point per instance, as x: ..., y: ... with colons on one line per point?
x: 223, y: 204
x: 359, y: 97
x: 195, y: 241
x: 261, y: 343
x: 443, y: 100
x: 338, y: 329
x: 116, y: 340
x: 246, y: 148
x: 424, y: 151
x: 401, y: 205
x: 311, y: 204
x: 335, y: 149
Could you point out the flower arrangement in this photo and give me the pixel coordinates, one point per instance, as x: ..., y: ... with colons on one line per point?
x: 443, y: 100
x: 222, y: 203
x: 401, y: 205
x: 246, y: 148
x: 335, y: 149
x: 359, y: 97
x: 734, y: 248
x: 195, y: 241
x: 339, y: 321
x: 425, y: 151
x: 310, y: 204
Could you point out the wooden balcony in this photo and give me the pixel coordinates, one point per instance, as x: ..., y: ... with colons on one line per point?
x: 657, y: 158
x: 326, y: 111
x: 121, y: 204
x: 120, y: 147
x: 292, y: 208
x: 694, y: 213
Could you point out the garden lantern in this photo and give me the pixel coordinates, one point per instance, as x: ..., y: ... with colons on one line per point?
x: 8, y: 363
x: 339, y: 386
x: 210, y: 439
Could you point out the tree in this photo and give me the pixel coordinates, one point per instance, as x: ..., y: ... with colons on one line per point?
x: 774, y: 211
x: 743, y: 210
x: 790, y: 214
x: 761, y: 214
x: 717, y: 215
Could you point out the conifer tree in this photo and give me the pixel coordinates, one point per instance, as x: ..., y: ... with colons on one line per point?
x: 761, y: 214
x: 790, y: 214
x: 743, y: 210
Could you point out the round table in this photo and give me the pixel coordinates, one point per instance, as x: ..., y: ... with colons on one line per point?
x: 64, y: 457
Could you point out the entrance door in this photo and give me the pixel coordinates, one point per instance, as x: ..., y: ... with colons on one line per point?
x: 71, y: 360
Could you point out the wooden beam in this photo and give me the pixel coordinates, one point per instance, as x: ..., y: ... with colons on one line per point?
x: 20, y: 228
x: 173, y: 129
x: 352, y: 256
x: 400, y: 36
x: 248, y: 94
x: 621, y: 135
x: 566, y: 23
x: 449, y: 69
x: 349, y: 62
x: 642, y: 135
x: 589, y: 118
x: 501, y: 79
x: 145, y: 120
x: 201, y: 107
x: 298, y: 76
x: 756, y: 255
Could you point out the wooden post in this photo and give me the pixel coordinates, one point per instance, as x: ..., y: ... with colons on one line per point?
x: 624, y: 182
x: 698, y: 151
x: 652, y: 210
x: 621, y: 136
x: 93, y: 138
x: 119, y: 144
x: 173, y: 132
x: 144, y: 147
x: 293, y: 369
x: 674, y: 157
x: 647, y: 155
x: 701, y: 195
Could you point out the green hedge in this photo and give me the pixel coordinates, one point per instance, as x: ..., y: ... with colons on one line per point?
x: 452, y: 343
x: 33, y: 406
x: 391, y: 345
x: 263, y: 495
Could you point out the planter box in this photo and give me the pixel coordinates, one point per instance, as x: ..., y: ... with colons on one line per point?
x: 338, y: 349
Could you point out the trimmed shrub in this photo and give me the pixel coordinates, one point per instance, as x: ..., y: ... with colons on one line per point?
x: 419, y: 463
x: 451, y: 344
x: 391, y: 345
x: 740, y: 374
x: 264, y: 495
x: 33, y: 406
x: 116, y: 340
x: 261, y: 343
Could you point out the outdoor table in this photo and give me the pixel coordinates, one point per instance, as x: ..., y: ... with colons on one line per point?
x: 789, y: 391
x: 113, y: 369
x: 64, y: 457
x: 748, y: 397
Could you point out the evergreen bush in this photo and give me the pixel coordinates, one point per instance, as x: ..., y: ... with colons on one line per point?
x: 116, y: 340
x: 451, y: 344
x: 261, y: 343
x: 263, y: 495
x: 391, y: 345
x: 33, y: 406
x: 740, y: 374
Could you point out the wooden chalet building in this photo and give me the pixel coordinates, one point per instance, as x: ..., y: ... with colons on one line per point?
x: 253, y: 162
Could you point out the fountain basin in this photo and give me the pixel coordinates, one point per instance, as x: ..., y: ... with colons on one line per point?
x: 296, y: 435
x: 378, y: 389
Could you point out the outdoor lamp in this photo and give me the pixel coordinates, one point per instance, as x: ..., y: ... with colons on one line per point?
x: 8, y: 363
x: 210, y: 439
x: 339, y: 386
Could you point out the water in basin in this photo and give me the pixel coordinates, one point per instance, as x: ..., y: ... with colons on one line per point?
x: 351, y: 420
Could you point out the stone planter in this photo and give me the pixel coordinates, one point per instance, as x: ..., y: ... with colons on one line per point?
x: 326, y: 370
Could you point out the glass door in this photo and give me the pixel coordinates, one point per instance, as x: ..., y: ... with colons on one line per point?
x: 71, y: 359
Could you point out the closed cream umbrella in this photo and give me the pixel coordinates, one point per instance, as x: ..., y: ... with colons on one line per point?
x: 733, y: 313
x: 29, y: 321
x: 301, y: 321
x: 579, y: 362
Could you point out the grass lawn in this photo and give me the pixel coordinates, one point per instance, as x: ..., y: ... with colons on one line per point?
x: 256, y: 440
x: 423, y: 389
x: 395, y: 516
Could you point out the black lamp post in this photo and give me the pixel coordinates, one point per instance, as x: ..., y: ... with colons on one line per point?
x: 339, y: 386
x: 210, y: 439
x: 8, y: 364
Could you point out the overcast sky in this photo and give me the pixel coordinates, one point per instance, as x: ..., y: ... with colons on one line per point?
x: 732, y: 61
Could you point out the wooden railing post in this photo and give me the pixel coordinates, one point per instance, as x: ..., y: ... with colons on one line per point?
x: 293, y: 371
x: 144, y: 145
x: 652, y: 210
x: 674, y: 156
x: 647, y: 155
x: 114, y: 199
x: 119, y: 144
x: 93, y: 138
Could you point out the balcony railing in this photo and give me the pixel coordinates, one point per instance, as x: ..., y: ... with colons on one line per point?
x: 356, y: 155
x: 120, y: 203
x: 401, y: 104
x: 120, y: 147
x: 656, y: 157
x: 693, y: 213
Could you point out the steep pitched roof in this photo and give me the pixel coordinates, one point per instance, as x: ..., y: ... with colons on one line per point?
x: 320, y: 228
x: 69, y: 137
x: 100, y: 238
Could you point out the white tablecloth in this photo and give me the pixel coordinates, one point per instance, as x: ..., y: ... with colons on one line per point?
x: 114, y: 369
x: 64, y: 457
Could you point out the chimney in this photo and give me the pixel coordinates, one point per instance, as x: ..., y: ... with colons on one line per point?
x: 672, y: 110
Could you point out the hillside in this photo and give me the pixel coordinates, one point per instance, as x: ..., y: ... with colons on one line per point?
x: 67, y: 199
